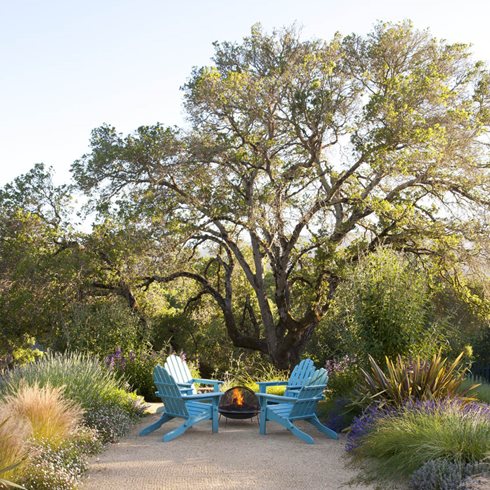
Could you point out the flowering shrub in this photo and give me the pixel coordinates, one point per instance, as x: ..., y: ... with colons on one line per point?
x: 87, y: 440
x: 137, y: 369
x: 399, y: 440
x: 343, y: 375
x: 84, y: 378
x: 110, y: 422
x: 54, y: 468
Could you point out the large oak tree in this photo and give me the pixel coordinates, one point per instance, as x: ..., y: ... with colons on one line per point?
x: 299, y: 156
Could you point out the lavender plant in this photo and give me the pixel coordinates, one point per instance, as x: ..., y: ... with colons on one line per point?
x: 444, y: 474
x: 399, y: 440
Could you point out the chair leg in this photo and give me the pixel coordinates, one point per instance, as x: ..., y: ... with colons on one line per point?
x: 323, y: 428
x: 299, y: 433
x: 263, y: 421
x: 156, y: 425
x: 170, y: 436
x: 215, y: 422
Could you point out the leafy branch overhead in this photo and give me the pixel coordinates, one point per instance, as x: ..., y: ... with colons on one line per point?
x: 300, y: 156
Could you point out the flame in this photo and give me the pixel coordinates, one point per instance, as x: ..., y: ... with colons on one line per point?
x: 237, y: 397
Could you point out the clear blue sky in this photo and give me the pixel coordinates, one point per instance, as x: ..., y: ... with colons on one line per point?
x: 69, y: 66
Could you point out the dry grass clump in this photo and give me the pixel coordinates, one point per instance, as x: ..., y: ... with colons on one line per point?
x: 52, y: 417
x: 14, y: 433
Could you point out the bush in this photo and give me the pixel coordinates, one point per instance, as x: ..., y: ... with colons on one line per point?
x: 400, y: 440
x: 137, y: 369
x: 413, y: 380
x: 86, y: 440
x: 445, y: 474
x: 100, y: 324
x: 337, y: 413
x: 51, y: 416
x: 383, y: 307
x: 248, y: 371
x: 84, y: 378
x: 343, y: 376
x: 481, y: 392
x: 51, y: 468
x: 110, y: 422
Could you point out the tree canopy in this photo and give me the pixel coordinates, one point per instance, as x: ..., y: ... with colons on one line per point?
x: 299, y: 156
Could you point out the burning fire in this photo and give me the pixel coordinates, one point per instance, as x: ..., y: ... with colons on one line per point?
x: 237, y: 397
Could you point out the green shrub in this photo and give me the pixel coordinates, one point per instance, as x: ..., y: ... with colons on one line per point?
x: 444, y: 474
x: 97, y: 326
x: 399, y: 441
x: 481, y: 392
x: 248, y: 371
x: 86, y: 440
x: 383, y: 307
x: 415, y: 379
x: 137, y: 369
x: 110, y: 422
x: 85, y: 379
x: 49, y: 468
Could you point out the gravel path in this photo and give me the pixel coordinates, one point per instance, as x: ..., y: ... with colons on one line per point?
x: 238, y: 457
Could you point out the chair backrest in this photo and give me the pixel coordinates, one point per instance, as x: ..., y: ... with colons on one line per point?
x: 314, y: 387
x: 301, y: 373
x: 178, y: 369
x: 169, y: 392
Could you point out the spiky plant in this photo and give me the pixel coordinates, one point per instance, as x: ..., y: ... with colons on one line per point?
x: 414, y: 379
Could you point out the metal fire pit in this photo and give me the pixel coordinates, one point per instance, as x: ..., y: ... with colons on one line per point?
x: 239, y: 402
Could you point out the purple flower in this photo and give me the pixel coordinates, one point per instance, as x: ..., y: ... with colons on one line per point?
x: 334, y: 366
x: 109, y: 360
x: 364, y: 424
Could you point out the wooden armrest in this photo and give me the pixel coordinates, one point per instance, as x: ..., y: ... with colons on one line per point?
x: 272, y: 383
x: 207, y: 381
x: 203, y: 396
x: 276, y: 398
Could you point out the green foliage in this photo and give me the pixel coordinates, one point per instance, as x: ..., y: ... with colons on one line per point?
x: 97, y: 326
x: 137, y: 369
x: 60, y: 468
x: 85, y: 379
x: 445, y: 474
x: 110, y: 421
x: 415, y: 379
x: 403, y: 441
x: 247, y: 370
x: 7, y: 483
x: 381, y: 309
x: 481, y: 391
x: 347, y: 144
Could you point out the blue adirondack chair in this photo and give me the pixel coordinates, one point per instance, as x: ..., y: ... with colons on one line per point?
x: 300, y: 375
x: 177, y: 405
x: 285, y: 410
x: 178, y: 369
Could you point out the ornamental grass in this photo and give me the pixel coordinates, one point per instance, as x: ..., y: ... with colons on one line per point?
x: 52, y: 417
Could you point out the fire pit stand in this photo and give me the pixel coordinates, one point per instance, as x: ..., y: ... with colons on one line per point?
x: 239, y: 402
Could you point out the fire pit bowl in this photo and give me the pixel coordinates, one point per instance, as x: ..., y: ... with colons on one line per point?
x: 239, y: 402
